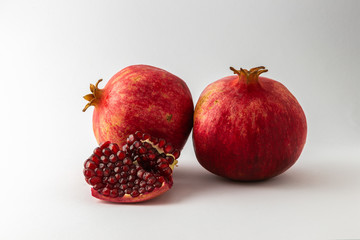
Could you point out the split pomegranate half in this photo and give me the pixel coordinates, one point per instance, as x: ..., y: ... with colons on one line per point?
x: 138, y: 171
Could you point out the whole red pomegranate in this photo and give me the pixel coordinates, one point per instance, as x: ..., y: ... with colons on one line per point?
x: 144, y: 98
x: 248, y: 127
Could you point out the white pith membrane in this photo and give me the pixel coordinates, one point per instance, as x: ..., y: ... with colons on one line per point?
x: 153, y: 169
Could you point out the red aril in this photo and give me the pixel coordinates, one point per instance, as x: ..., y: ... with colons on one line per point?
x: 248, y: 127
x: 139, y: 171
x: 143, y: 98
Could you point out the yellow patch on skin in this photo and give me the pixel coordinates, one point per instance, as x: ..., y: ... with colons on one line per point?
x: 136, y: 78
x: 150, y: 108
x: 203, y: 99
x: 165, y: 95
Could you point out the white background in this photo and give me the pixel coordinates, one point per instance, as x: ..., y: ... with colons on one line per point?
x: 51, y: 50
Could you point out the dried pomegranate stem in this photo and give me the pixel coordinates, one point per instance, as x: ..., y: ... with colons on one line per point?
x: 93, y: 96
x: 249, y: 76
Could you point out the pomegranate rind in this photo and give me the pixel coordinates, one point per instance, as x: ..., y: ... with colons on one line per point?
x: 129, y: 199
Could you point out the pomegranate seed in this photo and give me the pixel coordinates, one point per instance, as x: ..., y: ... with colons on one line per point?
x: 131, y: 178
x: 98, y: 186
x: 151, y: 180
x: 105, y: 144
x: 147, y: 145
x: 94, y: 180
x: 161, y: 179
x: 114, y: 193
x: 176, y: 153
x: 128, y: 191
x: 105, y: 191
x: 154, y: 140
x: 157, y: 184
x: 168, y: 148
x: 162, y: 142
x: 98, y: 172
x: 137, y: 144
x: 107, y: 172
x: 149, y: 188
x: 130, y: 139
x: 112, y: 179
x: 117, y: 176
x: 147, y: 175
x: 123, y: 180
x: 162, y: 161
x: 101, y: 165
x: 114, y: 148
x: 127, y: 161
x: 137, y: 181
x: 142, y: 183
x: 121, y: 193
x: 134, y: 193
x: 146, y: 136
x: 107, y: 152
x: 136, y: 187
x: 117, y: 170
x: 142, y: 150
x: 95, y: 159
x: 88, y: 173
x: 113, y: 158
x: 167, y: 171
x: 124, y: 174
x: 90, y: 165
x: 124, y: 168
x: 121, y: 155
x: 138, y: 135
x: 141, y: 190
x: 170, y: 159
x: 140, y: 173
x: 162, y: 166
x: 124, y: 148
x: 151, y: 156
x: 104, y: 159
x: 132, y: 171
x: 130, y: 184
x: 110, y: 165
x: 98, y: 151
x: 123, y: 186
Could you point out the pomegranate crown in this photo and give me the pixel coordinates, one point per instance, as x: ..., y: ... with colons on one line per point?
x: 249, y: 76
x: 93, y: 96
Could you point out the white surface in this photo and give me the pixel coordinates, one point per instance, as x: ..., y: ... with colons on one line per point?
x: 50, y: 52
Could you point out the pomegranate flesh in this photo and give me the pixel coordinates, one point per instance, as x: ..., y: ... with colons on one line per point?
x: 248, y: 127
x: 144, y: 98
x: 138, y: 171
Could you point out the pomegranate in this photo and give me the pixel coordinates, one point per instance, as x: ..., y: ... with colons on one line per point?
x: 140, y: 170
x: 248, y: 127
x: 144, y: 98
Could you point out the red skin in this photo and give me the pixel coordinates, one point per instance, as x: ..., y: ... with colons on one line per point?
x: 248, y: 132
x: 129, y: 199
x: 144, y: 98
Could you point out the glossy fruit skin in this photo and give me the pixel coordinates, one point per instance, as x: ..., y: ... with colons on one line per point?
x: 145, y: 98
x: 248, y: 132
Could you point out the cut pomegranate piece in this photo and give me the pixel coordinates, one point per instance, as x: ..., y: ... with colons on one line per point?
x: 138, y: 171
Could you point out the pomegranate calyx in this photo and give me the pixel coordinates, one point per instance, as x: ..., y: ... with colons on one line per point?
x: 249, y: 76
x: 93, y: 96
